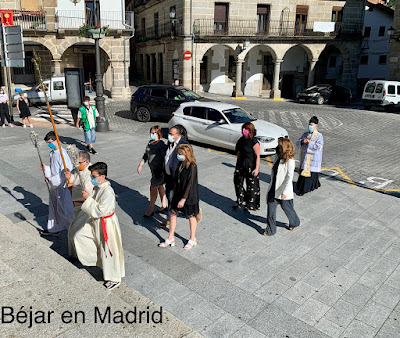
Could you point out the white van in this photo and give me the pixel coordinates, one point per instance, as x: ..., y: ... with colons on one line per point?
x: 381, y: 93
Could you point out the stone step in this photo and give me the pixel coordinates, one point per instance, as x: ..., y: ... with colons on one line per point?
x: 35, y: 273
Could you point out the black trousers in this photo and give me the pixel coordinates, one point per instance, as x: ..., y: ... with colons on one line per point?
x: 4, y: 113
x: 250, y: 196
x: 288, y: 209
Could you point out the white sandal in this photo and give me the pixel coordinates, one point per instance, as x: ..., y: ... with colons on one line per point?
x: 192, y: 244
x: 167, y: 243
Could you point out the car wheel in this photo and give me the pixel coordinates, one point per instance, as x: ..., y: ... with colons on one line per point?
x: 320, y: 100
x: 389, y: 108
x: 183, y: 132
x: 143, y: 114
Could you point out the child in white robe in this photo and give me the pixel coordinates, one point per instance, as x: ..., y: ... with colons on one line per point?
x: 107, y: 234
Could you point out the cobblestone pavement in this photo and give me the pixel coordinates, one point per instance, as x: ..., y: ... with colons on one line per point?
x: 337, y: 275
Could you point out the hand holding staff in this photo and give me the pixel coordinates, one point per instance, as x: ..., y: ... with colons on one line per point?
x: 73, y: 153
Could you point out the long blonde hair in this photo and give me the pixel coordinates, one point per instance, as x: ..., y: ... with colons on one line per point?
x: 187, y: 151
x: 286, y: 149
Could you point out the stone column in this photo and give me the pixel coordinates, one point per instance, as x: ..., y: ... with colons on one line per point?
x: 57, y: 66
x: 185, y: 72
x: 238, y: 84
x: 276, y: 93
x: 311, y: 73
x: 151, y: 68
x: 157, y: 67
x: 118, y: 89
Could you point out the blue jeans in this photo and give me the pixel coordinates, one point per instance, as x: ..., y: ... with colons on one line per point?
x: 90, y: 136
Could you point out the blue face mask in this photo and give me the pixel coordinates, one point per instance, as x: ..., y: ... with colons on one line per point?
x: 171, y: 139
x: 310, y: 128
x: 94, y: 182
x: 153, y: 137
x: 180, y: 157
x: 51, y: 146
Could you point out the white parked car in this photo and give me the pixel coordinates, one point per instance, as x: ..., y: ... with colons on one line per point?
x: 220, y: 124
x: 381, y: 93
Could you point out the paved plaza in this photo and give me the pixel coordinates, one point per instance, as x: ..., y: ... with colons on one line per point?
x: 337, y: 275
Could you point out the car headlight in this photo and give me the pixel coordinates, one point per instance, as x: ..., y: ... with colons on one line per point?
x: 265, y: 139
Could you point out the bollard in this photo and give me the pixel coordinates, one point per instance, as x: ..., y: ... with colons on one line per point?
x: 102, y: 125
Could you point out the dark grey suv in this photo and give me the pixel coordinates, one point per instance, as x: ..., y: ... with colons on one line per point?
x: 160, y: 101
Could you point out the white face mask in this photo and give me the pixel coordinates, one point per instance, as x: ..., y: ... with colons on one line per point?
x: 86, y: 103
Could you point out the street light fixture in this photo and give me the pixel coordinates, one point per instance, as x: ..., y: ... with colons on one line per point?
x: 172, y: 15
x: 391, y: 32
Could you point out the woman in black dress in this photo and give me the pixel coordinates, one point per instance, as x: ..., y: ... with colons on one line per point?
x: 247, y: 168
x: 23, y: 108
x: 186, y: 196
x: 154, y: 155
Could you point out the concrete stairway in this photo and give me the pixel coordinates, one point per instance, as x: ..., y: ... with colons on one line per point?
x: 33, y: 274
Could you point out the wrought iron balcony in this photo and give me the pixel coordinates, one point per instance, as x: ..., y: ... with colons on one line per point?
x: 66, y: 19
x: 29, y: 20
x: 163, y: 30
x: 277, y: 28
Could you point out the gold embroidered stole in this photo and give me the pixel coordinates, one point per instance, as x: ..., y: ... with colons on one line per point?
x: 306, y: 172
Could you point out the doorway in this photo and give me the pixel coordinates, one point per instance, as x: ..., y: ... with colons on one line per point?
x: 89, y: 68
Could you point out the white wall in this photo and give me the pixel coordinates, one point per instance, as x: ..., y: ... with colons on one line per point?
x: 253, y: 75
x: 378, y: 45
x: 294, y: 60
x: 220, y: 83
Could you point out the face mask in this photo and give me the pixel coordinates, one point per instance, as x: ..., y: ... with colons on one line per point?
x: 94, y: 182
x: 51, y: 146
x: 310, y: 128
x: 245, y: 132
x: 81, y: 167
x: 153, y: 136
x: 171, y: 139
x: 86, y: 103
x: 180, y: 157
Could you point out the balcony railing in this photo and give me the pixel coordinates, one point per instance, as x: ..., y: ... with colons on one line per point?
x: 30, y: 20
x: 74, y: 19
x: 164, y: 30
x: 207, y: 27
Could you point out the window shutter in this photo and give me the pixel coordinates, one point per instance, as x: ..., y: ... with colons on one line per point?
x: 220, y: 12
x: 303, y: 10
x: 262, y: 10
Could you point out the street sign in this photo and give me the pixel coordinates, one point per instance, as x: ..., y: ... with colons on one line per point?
x: 7, y: 18
x: 12, y: 47
x: 187, y: 55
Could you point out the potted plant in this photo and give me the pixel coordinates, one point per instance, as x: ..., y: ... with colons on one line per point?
x: 93, y: 32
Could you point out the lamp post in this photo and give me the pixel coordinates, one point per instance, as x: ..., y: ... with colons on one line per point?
x: 100, y: 104
x: 172, y: 16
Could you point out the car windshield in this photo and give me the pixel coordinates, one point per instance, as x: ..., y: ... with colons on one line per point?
x: 190, y: 94
x: 238, y: 115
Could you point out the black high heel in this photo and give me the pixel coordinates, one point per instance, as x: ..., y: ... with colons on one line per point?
x: 148, y: 216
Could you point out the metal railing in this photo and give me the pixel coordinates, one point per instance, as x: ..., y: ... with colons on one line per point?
x: 66, y: 19
x: 29, y: 20
x: 208, y: 27
x: 167, y: 29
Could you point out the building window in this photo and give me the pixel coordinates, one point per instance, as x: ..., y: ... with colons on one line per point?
x: 90, y: 18
x: 337, y: 14
x: 156, y: 25
x: 221, y: 17
x: 364, y: 60
x: 263, y: 18
x: 382, y: 30
x: 301, y: 19
x: 143, y: 26
x: 382, y: 59
x: 203, y: 70
x: 367, y: 32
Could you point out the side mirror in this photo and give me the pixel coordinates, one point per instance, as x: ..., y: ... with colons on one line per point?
x: 222, y: 121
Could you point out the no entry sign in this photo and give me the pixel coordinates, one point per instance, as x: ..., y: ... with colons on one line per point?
x: 187, y: 55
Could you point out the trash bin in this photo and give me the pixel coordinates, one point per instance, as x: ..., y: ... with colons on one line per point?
x: 102, y: 125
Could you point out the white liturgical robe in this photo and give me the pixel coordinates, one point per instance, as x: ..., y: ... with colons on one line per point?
x: 110, y: 257
x: 59, y: 194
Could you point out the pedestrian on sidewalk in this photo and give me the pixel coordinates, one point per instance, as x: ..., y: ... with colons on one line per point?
x: 80, y: 228
x: 186, y: 196
x: 280, y: 190
x: 106, y: 233
x: 247, y: 169
x: 154, y: 156
x: 171, y: 163
x: 4, y: 112
x: 23, y: 109
x: 61, y: 217
x: 311, y: 145
x: 87, y: 115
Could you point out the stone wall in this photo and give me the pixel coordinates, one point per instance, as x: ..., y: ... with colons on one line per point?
x: 394, y: 56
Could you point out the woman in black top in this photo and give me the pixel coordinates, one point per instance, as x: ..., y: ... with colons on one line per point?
x: 186, y: 196
x: 154, y: 155
x: 23, y: 108
x: 247, y: 168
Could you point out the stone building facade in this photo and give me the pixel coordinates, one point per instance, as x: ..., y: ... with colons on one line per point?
x: 394, y: 56
x: 51, y: 30
x: 252, y: 48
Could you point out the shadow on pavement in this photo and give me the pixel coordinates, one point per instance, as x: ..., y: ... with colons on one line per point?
x: 125, y: 114
x: 66, y: 140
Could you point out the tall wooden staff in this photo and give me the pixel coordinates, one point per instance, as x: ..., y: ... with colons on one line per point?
x: 35, y: 61
x: 73, y: 154
x: 35, y: 140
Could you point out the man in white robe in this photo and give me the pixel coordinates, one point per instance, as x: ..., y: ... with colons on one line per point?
x: 61, y: 216
x: 80, y: 233
x: 107, y: 234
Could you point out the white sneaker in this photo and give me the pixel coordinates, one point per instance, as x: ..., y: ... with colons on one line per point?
x: 24, y: 125
x: 31, y: 126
